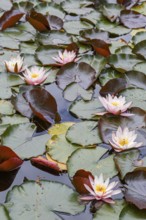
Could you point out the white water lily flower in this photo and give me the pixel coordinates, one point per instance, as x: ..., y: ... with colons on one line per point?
x: 65, y: 57
x: 115, y: 105
x: 15, y: 65
x: 124, y: 139
x: 35, y: 75
x: 101, y: 190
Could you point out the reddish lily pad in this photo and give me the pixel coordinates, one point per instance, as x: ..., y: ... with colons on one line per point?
x: 10, y: 18
x: 38, y: 21
x: 9, y: 160
x: 80, y: 178
x: 42, y: 104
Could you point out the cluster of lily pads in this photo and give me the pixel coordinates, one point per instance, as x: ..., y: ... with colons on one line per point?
x: 93, y: 53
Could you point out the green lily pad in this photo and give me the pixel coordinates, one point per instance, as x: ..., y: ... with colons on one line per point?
x: 131, y: 212
x: 89, y: 132
x: 77, y: 7
x: 112, y: 211
x: 58, y: 147
x: 123, y: 62
x: 51, y: 9
x: 108, y: 74
x: 140, y: 36
x: 72, y: 91
x: 54, y: 38
x: 137, y: 96
x: 74, y: 27
x: 6, y: 108
x: 140, y: 48
x: 45, y: 53
x: 10, y: 137
x: 97, y: 62
x: 32, y: 199
x: 128, y: 161
x: 14, y: 119
x: 89, y: 160
x: 4, y: 213
x: 86, y: 109
x: 141, y: 67
x: 8, y: 80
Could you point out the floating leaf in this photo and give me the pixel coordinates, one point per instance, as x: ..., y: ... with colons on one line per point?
x: 112, y: 211
x: 80, y: 178
x: 45, y: 163
x: 140, y: 48
x: 136, y: 78
x: 27, y: 196
x: 89, y: 160
x: 123, y: 62
x: 128, y: 161
x: 131, y: 212
x: 74, y: 27
x: 45, y: 53
x: 111, y: 11
x: 73, y: 91
x: 58, y: 148
x: 81, y: 73
x: 108, y: 74
x: 135, y: 188
x: 6, y: 82
x: 55, y: 22
x: 6, y: 108
x: 42, y: 104
x: 132, y: 19
x: 95, y: 34
x: 137, y: 96
x: 10, y: 136
x: 86, y: 109
x: 9, y: 160
x: 113, y: 86
x: 28, y: 146
x: 76, y: 7
x: 50, y: 8
x: 140, y: 8
x: 110, y: 123
x: 97, y: 62
x: 10, y: 18
x: 4, y: 213
x: 138, y: 37
x: 89, y: 135
x: 99, y: 46
x: 38, y: 21
x: 21, y: 105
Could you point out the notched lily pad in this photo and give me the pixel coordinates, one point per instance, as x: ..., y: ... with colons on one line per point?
x: 90, y: 134
x: 81, y: 73
x: 66, y: 201
x: 135, y: 188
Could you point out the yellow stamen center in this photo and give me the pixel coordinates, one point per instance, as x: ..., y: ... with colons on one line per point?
x: 100, y: 188
x: 115, y: 103
x: 123, y: 142
x: 34, y: 75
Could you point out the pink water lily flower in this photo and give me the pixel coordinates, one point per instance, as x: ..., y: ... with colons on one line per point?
x: 115, y: 105
x: 101, y: 190
x: 35, y: 75
x: 65, y: 57
x: 124, y: 139
x: 15, y: 64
